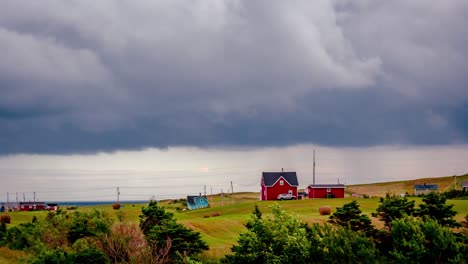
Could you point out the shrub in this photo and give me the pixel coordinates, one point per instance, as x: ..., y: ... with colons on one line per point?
x: 160, y: 228
x: 393, y: 207
x: 116, y: 206
x: 434, y: 207
x: 90, y: 255
x: 416, y: 241
x: 350, y: 215
x: 124, y: 243
x: 285, y: 239
x: 5, y: 219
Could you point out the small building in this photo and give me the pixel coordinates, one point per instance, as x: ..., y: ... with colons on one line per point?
x: 196, y: 202
x: 464, y: 185
x: 275, y: 183
x: 326, y: 190
x: 32, y: 206
x: 425, y: 188
x: 52, y: 207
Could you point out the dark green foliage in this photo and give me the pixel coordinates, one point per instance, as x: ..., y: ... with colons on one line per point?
x: 343, y: 245
x: 351, y: 216
x: 57, y: 256
x: 415, y: 241
x: 89, y: 256
x: 160, y: 227
x: 434, y: 207
x: 285, y: 239
x: 393, y: 207
x: 88, y: 225
x: 3, y: 234
x: 452, y: 194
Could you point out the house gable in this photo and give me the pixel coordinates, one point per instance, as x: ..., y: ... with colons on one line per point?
x: 270, y: 179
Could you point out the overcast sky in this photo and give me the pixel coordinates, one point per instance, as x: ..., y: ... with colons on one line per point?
x: 149, y: 80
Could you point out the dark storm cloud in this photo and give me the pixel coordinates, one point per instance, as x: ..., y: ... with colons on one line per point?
x: 82, y: 76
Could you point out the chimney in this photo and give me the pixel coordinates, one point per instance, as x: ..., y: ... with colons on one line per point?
x: 282, y: 169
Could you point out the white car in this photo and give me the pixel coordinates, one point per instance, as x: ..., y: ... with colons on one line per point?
x: 286, y: 196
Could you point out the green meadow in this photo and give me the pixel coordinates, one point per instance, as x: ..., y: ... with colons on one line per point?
x: 221, y: 224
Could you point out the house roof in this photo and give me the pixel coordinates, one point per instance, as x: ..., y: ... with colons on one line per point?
x: 426, y: 187
x: 465, y: 183
x: 319, y: 186
x: 191, y: 198
x: 270, y: 178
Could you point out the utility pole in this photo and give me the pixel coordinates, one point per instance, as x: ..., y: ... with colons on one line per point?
x: 204, y: 189
x: 17, y: 202
x: 8, y: 200
x: 455, y: 184
x: 24, y: 197
x: 222, y: 197
x: 118, y: 194
x: 34, y: 197
x: 232, y: 193
x: 313, y: 171
x: 211, y: 196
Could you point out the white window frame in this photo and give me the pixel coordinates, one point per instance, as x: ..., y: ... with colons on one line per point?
x: 328, y: 190
x: 281, y: 182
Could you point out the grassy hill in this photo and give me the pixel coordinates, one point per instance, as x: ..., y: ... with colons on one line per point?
x: 399, y: 187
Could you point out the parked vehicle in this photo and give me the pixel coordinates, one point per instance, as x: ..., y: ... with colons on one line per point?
x: 286, y: 196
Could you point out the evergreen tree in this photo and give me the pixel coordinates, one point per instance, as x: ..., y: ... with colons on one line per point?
x: 160, y: 227
x: 434, y: 207
x: 350, y: 215
x: 393, y: 207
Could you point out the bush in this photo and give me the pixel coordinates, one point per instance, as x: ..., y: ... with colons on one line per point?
x: 161, y: 231
x: 116, y: 206
x: 434, y: 207
x: 350, y: 215
x: 285, y: 239
x: 124, y: 243
x: 393, y: 207
x: 5, y: 219
x: 415, y: 241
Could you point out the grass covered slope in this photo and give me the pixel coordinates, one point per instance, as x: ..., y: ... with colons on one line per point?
x: 400, y: 187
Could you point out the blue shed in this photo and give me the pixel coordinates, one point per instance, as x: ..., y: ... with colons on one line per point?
x: 196, y: 202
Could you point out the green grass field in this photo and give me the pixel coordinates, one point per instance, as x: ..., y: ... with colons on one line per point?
x: 221, y: 232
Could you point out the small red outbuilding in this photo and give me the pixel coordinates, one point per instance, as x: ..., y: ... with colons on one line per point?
x: 275, y: 183
x: 326, y: 190
x: 32, y: 206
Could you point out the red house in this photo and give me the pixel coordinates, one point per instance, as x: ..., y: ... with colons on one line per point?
x: 326, y: 190
x: 274, y: 183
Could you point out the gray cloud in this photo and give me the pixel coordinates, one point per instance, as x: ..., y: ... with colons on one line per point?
x: 83, y: 76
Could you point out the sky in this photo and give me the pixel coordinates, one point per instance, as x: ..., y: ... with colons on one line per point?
x: 183, y: 94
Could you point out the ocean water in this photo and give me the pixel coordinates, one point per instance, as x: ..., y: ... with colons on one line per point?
x: 91, y: 203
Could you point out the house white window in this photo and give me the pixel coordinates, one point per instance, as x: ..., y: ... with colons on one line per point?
x: 281, y: 182
x: 290, y: 191
x: 328, y: 190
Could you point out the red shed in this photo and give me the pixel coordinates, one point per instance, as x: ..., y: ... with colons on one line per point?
x: 326, y: 190
x: 274, y: 183
x: 32, y: 206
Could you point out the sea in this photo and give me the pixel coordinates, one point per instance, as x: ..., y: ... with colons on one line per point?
x: 92, y: 203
